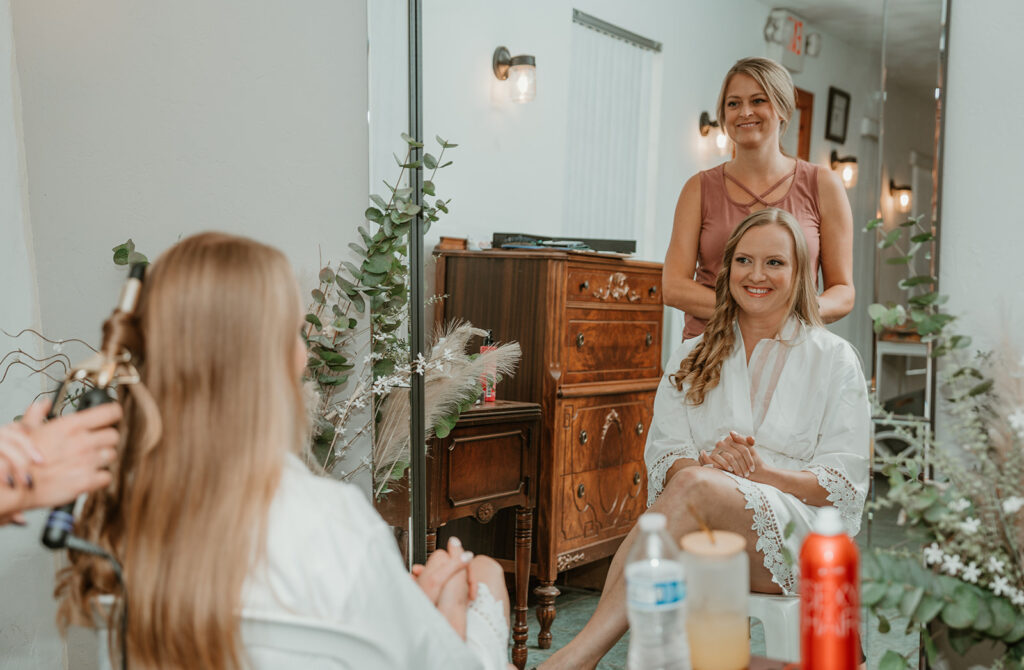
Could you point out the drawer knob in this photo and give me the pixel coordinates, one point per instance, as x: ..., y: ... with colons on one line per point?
x: 585, y: 285
x: 648, y: 339
x: 580, y: 340
x: 584, y: 437
x: 636, y: 478
x: 653, y: 291
x: 580, y: 490
x: 639, y: 428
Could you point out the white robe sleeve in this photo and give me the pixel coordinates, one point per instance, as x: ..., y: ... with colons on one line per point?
x: 840, y: 460
x: 669, y: 438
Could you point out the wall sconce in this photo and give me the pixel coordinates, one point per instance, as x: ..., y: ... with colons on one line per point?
x: 846, y: 168
x: 706, y: 124
x: 901, y: 195
x: 521, y: 70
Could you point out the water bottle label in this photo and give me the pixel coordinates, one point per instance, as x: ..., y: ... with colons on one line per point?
x: 655, y: 595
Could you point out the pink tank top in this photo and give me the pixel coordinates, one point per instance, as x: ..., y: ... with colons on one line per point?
x: 720, y: 215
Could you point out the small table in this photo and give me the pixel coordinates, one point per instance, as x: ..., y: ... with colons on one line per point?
x: 487, y: 463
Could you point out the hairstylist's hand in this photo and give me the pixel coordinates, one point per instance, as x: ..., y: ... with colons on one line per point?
x: 441, y: 567
x: 734, y: 453
x: 76, y: 450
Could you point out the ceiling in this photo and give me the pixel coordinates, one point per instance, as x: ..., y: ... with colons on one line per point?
x: 912, y: 26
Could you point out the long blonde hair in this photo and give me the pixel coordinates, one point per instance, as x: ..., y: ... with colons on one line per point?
x: 702, y: 368
x: 201, y: 453
x: 773, y: 78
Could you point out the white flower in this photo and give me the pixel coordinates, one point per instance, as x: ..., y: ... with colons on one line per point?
x: 951, y: 564
x: 1013, y: 504
x: 970, y: 526
x: 971, y: 573
x: 1000, y: 586
x: 933, y: 554
x: 960, y: 505
x: 1017, y: 422
x: 994, y: 565
x: 1018, y: 597
x: 448, y: 355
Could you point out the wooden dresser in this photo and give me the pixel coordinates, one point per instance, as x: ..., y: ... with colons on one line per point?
x: 590, y: 328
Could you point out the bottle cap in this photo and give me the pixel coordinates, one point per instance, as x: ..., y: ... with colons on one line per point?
x: 652, y: 521
x: 829, y: 522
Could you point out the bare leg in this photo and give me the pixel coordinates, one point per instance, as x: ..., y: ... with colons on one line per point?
x: 722, y: 506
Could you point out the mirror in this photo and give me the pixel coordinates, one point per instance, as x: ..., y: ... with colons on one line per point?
x: 518, y: 163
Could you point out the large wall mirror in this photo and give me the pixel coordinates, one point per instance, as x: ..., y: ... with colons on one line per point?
x: 870, y: 88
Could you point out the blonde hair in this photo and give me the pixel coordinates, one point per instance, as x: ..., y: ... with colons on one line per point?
x: 203, y: 445
x: 702, y: 368
x: 773, y: 78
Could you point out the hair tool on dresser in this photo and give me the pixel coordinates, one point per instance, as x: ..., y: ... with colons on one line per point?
x: 111, y: 366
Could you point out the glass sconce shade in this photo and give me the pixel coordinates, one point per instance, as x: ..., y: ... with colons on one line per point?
x: 520, y: 70
x: 846, y: 168
x: 902, y: 197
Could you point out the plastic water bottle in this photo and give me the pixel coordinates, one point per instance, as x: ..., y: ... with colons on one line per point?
x: 656, y: 600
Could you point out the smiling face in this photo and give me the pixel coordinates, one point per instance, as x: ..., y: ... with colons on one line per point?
x: 762, y: 273
x: 750, y: 117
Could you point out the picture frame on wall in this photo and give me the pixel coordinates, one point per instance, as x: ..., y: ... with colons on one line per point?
x: 838, y: 116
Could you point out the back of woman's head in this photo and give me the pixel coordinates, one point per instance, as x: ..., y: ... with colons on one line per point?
x: 702, y: 368
x: 773, y: 78
x: 203, y: 444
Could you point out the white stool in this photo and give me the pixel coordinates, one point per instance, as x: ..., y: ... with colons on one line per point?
x: 780, y: 616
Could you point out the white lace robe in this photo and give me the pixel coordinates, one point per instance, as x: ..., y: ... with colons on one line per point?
x: 804, y: 399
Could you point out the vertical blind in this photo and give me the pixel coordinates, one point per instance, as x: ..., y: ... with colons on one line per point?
x: 609, y: 131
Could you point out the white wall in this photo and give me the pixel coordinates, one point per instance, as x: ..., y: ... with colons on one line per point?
x: 982, y: 227
x: 155, y: 120
x: 509, y: 168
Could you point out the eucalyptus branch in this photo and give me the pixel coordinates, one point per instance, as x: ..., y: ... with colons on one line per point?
x: 46, y: 339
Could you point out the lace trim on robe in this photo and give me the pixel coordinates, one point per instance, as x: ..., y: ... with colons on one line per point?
x: 769, y: 537
x: 842, y: 494
x: 656, y: 473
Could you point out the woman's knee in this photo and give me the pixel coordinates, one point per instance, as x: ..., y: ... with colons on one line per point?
x: 690, y: 484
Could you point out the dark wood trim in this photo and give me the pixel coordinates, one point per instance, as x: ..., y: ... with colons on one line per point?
x: 805, y: 104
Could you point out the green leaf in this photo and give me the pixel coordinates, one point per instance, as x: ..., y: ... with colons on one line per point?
x: 374, y: 214
x: 911, y: 599
x: 899, y: 260
x: 358, y: 249
x: 892, y: 661
x: 928, y: 608
x: 961, y: 641
x: 890, y: 238
x: 331, y: 380
x: 983, y: 387
x: 872, y: 592
x: 123, y: 251
x: 444, y: 165
x: 318, y: 296
x: 883, y: 624
x: 413, y: 165
x: 378, y: 264
x: 872, y: 224
x: 383, y: 368
x: 444, y: 143
x: 1003, y: 617
x: 893, y: 595
x: 429, y: 161
x: 788, y: 530
x: 428, y: 187
x: 410, y: 141
x: 1017, y: 632
x: 921, y: 238
x: 326, y: 275
x: 963, y: 609
x: 916, y: 281
x: 357, y: 302
x: 445, y: 424
x: 135, y: 257
x: 312, y: 318
x: 929, y: 647
x: 379, y: 201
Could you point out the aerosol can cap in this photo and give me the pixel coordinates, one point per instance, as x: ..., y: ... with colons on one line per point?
x: 829, y: 522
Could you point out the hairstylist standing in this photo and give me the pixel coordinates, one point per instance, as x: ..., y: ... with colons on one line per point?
x: 754, y: 107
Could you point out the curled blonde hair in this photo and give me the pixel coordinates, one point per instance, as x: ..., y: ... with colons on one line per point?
x: 773, y: 78
x: 201, y: 453
x: 702, y: 368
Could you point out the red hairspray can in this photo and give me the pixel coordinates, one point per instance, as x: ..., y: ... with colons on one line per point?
x: 829, y: 596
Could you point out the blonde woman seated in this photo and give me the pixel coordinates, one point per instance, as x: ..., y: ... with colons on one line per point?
x: 772, y: 404
x: 212, y: 510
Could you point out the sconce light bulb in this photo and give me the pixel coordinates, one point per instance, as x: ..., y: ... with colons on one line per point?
x: 721, y: 140
x: 847, y: 174
x: 904, y: 200
x: 522, y: 83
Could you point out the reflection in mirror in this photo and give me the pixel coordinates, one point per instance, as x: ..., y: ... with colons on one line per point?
x: 530, y: 168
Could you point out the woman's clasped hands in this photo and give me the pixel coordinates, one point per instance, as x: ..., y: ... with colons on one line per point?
x: 734, y: 453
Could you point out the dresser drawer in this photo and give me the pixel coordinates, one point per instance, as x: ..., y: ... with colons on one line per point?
x: 605, y: 431
x: 606, y: 345
x: 601, y: 503
x: 613, y: 286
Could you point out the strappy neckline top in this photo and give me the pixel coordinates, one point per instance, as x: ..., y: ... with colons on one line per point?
x: 759, y: 198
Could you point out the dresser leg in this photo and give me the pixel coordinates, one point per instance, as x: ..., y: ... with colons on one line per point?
x: 523, y: 540
x: 431, y: 540
x: 546, y: 594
